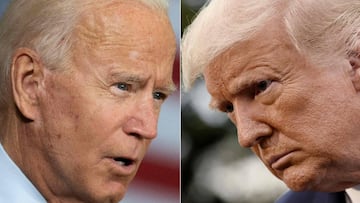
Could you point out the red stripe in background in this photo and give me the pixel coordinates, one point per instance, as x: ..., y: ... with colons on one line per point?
x: 176, y: 70
x: 160, y: 172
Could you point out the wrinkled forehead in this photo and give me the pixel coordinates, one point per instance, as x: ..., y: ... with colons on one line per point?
x: 126, y: 29
x: 221, y: 67
x: 125, y: 35
x: 271, y: 34
x: 128, y: 19
x: 270, y: 46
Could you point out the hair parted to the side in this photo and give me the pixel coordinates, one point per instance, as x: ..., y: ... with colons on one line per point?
x: 45, y: 26
x: 319, y: 29
x: 218, y: 26
x: 324, y: 30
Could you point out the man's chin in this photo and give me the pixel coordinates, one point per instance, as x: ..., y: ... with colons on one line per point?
x: 113, y: 192
x: 302, y: 179
x: 112, y: 198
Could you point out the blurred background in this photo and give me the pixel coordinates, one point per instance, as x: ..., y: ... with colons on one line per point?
x: 158, y: 179
x: 214, y: 168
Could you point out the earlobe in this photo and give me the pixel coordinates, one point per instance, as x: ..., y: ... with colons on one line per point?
x: 26, y: 75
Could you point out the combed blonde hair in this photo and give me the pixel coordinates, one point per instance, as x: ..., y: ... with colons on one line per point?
x: 45, y: 26
x: 319, y: 29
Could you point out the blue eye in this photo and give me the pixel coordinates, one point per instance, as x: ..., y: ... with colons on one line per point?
x: 159, y: 96
x: 123, y: 86
x: 262, y: 86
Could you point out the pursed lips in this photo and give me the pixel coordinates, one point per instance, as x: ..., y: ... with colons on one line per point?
x: 278, y: 161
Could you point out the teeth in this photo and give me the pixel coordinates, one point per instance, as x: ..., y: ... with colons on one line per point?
x: 121, y: 163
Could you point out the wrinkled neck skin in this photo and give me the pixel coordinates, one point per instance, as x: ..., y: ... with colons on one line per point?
x: 20, y: 139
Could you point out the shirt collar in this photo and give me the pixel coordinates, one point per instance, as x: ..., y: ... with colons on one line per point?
x: 15, y: 187
x: 353, y: 194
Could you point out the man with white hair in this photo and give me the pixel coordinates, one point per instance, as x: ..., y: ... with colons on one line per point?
x: 82, y: 83
x: 286, y: 72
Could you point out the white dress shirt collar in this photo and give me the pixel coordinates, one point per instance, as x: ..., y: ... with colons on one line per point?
x: 353, y: 194
x: 15, y: 187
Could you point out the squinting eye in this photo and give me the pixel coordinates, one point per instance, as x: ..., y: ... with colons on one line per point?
x: 262, y: 86
x: 159, y: 96
x: 229, y: 108
x: 123, y: 86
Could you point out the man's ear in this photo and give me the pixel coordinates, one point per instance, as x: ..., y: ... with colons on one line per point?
x: 354, y: 61
x: 26, y: 76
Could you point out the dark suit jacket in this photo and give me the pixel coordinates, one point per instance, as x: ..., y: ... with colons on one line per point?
x: 312, y: 197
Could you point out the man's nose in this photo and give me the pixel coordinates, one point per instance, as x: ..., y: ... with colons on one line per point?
x: 143, y: 120
x: 249, y: 129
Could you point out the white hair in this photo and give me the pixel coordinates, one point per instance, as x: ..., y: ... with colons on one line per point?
x: 324, y: 30
x: 218, y: 26
x: 45, y: 26
x: 319, y: 29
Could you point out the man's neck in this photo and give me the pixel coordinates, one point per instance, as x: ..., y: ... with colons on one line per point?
x: 22, y: 146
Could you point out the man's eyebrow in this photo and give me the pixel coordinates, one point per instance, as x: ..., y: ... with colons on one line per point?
x: 251, y: 77
x: 124, y: 76
x: 168, y: 89
x: 127, y: 77
x: 242, y: 84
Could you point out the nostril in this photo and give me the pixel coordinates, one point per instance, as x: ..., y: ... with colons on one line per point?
x: 263, y: 141
x: 135, y: 135
x: 143, y: 134
x: 260, y: 140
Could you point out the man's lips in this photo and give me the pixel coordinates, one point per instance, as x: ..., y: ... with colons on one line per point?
x: 280, y: 161
x: 124, y: 161
x: 123, y: 165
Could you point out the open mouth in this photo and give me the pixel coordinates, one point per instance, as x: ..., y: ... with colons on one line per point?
x: 123, y: 161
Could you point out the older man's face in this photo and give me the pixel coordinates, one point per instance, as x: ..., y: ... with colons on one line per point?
x: 301, y: 120
x: 99, y: 116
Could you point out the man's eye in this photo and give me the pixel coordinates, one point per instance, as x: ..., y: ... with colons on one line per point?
x: 227, y: 107
x: 262, y: 86
x: 159, y: 96
x: 123, y: 86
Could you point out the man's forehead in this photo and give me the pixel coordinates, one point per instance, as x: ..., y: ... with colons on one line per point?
x: 272, y: 37
x: 224, y: 63
x: 271, y: 50
x: 126, y: 35
x: 130, y: 26
x: 126, y: 24
x: 108, y: 19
